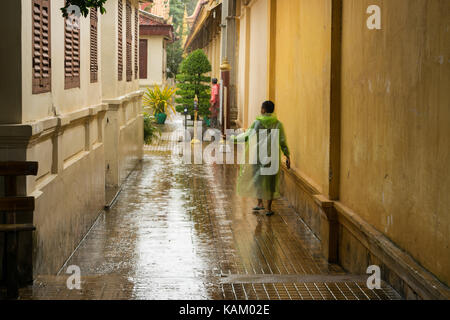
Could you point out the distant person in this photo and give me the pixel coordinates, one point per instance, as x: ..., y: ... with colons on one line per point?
x: 253, y: 180
x: 215, y: 103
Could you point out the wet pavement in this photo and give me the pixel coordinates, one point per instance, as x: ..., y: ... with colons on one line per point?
x: 178, y: 231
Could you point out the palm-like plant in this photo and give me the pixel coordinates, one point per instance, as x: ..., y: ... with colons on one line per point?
x: 159, y: 101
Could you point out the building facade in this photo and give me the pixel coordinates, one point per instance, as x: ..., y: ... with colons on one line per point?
x: 213, y: 29
x: 160, y: 8
x: 71, y: 101
x: 155, y: 34
x: 365, y: 112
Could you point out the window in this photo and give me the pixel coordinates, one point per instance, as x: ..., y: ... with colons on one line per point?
x: 143, y: 58
x: 120, y: 40
x: 129, y: 44
x: 136, y: 42
x: 41, y: 47
x: 71, y: 55
x: 94, y: 46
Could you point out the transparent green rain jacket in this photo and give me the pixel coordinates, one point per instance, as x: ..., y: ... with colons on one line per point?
x: 259, y: 171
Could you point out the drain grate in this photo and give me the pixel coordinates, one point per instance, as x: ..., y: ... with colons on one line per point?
x: 302, y: 287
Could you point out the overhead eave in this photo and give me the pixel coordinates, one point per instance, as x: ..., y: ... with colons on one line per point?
x: 204, y: 12
x: 159, y: 30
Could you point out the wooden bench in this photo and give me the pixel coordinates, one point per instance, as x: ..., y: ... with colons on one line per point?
x: 10, y: 205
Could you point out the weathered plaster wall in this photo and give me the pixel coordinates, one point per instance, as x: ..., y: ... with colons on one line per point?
x: 302, y: 84
x: 80, y: 188
x: 131, y: 137
x: 395, y: 116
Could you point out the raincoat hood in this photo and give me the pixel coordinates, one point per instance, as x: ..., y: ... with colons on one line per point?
x: 268, y: 120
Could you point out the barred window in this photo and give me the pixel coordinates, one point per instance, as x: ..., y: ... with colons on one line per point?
x: 41, y: 47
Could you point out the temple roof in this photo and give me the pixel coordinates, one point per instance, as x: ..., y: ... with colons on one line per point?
x: 153, y: 25
x: 198, y: 18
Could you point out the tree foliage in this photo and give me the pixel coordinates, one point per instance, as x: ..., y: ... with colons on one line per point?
x: 175, y: 50
x: 84, y: 6
x: 192, y: 82
x: 174, y: 58
x: 177, y: 10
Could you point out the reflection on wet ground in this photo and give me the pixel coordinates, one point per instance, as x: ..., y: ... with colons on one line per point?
x: 179, y: 231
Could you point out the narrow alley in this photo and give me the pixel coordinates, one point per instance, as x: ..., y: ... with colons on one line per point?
x: 338, y: 111
x: 178, y: 231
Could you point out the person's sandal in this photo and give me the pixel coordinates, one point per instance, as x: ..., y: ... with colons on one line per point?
x: 270, y: 213
x: 258, y: 208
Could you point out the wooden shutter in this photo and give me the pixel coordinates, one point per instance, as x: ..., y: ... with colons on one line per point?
x: 71, y: 56
x: 120, y: 40
x: 143, y: 54
x: 94, y: 46
x: 129, y: 44
x: 41, y: 46
x: 136, y: 42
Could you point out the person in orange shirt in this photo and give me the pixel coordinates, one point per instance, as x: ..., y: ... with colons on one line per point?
x: 215, y: 103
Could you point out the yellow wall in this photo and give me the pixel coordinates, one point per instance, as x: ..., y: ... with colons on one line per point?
x: 217, y: 58
x: 257, y: 84
x: 212, y: 51
x: 241, y: 68
x: 302, y: 94
x: 395, y: 114
x: 252, y: 60
x: 395, y: 125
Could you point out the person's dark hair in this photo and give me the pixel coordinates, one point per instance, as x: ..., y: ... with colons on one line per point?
x: 214, y: 80
x: 268, y: 106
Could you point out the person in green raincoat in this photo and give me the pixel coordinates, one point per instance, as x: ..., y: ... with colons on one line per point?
x: 259, y: 171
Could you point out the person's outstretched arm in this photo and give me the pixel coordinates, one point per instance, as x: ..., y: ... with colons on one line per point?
x: 243, y: 137
x: 284, y: 147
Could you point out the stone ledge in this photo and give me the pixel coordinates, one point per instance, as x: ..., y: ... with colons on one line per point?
x: 333, y: 215
x: 28, y: 130
x: 124, y: 98
x: 400, y: 262
x: 310, y: 187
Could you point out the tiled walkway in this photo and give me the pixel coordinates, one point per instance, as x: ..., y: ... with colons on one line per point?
x: 179, y: 232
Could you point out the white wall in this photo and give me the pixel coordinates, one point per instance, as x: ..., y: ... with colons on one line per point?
x: 58, y: 101
x: 155, y: 61
x: 113, y: 88
x: 67, y: 132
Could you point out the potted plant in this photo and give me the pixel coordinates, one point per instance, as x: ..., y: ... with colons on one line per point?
x: 159, y: 101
